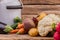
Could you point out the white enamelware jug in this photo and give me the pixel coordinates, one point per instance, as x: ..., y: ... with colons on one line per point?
x: 9, y: 9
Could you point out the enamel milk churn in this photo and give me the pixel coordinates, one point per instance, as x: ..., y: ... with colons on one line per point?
x: 9, y: 9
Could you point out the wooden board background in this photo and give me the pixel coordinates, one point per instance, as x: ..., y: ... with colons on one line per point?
x: 34, y: 2
x: 31, y: 8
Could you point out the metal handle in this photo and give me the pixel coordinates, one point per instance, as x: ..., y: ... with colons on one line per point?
x: 16, y: 7
x: 3, y: 23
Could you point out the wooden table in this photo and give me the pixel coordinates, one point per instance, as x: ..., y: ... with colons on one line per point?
x: 22, y: 37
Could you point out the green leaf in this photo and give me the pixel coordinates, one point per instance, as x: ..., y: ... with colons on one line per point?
x: 17, y: 19
x: 14, y: 25
x: 53, y: 26
x: 8, y: 28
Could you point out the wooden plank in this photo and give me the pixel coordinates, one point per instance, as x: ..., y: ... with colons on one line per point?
x: 47, y: 12
x: 41, y: 2
x: 22, y: 37
x: 28, y: 16
x: 35, y: 9
x: 35, y: 15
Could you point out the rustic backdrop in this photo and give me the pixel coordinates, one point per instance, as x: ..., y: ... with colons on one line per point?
x: 33, y: 7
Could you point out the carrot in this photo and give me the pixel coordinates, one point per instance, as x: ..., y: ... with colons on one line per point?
x: 20, y: 26
x: 14, y: 31
x: 21, y: 31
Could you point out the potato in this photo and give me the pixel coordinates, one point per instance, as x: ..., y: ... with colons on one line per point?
x: 33, y: 32
x: 28, y: 24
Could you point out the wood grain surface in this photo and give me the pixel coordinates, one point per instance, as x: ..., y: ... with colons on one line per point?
x: 33, y: 2
x: 28, y: 16
x: 22, y: 37
x: 35, y: 9
x: 31, y: 15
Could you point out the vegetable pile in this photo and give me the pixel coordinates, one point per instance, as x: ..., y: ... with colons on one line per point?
x: 43, y: 25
